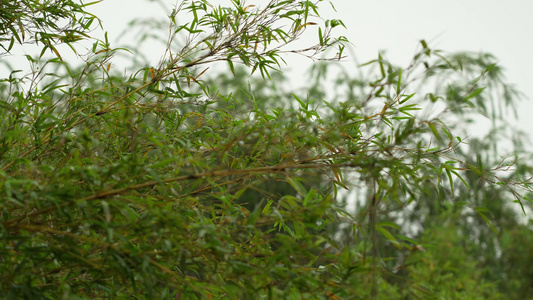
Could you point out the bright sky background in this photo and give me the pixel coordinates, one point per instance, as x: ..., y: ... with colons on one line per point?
x: 502, y: 28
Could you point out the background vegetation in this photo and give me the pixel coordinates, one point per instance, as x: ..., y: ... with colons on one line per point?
x: 193, y: 180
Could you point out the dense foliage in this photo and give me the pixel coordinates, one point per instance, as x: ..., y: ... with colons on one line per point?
x: 180, y: 181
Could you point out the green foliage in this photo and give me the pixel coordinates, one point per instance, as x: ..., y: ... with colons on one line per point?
x: 515, y: 244
x: 443, y: 268
x: 178, y: 182
x: 44, y: 22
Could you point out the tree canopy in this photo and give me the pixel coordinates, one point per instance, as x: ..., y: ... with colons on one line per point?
x: 208, y: 176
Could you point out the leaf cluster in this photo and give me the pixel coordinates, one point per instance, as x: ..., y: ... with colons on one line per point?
x: 47, y: 23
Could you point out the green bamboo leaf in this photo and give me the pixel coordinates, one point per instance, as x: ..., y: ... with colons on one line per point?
x: 473, y: 94
x: 231, y: 66
x: 388, y: 236
x: 267, y: 210
x: 302, y: 104
x: 399, y: 83
x: 389, y: 224
x: 434, y: 131
x: 406, y: 98
x: 298, y: 187
x: 481, y: 212
x: 450, y: 178
x: 312, y: 194
x: 461, y: 178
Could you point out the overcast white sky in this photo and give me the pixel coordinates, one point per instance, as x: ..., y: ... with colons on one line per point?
x: 502, y: 28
